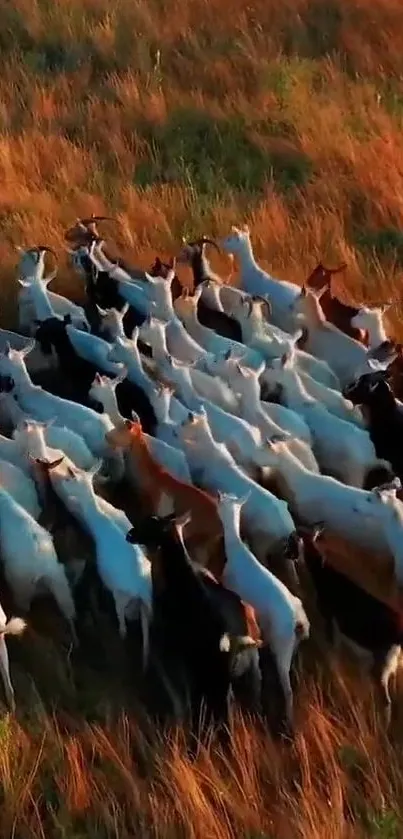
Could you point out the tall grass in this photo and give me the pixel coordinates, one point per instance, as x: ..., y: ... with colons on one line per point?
x: 183, y: 118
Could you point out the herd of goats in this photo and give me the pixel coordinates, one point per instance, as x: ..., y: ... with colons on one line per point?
x: 178, y: 456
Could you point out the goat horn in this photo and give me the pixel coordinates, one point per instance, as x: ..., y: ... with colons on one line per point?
x: 338, y: 270
x: 204, y: 240
x: 86, y: 221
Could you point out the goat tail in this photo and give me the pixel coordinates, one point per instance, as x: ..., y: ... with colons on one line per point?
x: 15, y: 626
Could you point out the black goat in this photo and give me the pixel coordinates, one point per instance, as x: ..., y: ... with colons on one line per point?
x: 199, y: 628
x: 79, y: 374
x: 385, y: 417
x: 369, y: 623
x: 193, y: 254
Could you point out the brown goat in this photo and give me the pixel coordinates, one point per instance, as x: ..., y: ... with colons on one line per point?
x: 336, y: 312
x: 204, y: 534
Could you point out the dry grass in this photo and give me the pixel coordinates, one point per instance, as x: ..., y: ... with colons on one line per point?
x: 183, y: 118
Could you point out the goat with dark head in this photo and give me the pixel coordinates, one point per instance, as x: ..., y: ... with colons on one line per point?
x: 193, y: 632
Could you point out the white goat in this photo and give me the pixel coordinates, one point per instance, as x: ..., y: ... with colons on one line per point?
x: 30, y: 560
x: 245, y: 382
x: 123, y: 568
x: 270, y: 341
x: 257, y: 281
x: 372, y: 321
x: 342, y: 449
x: 186, y: 309
x: 14, y: 626
x: 333, y: 400
x: 21, y: 487
x: 191, y: 380
x: 372, y: 520
x: 281, y: 615
x: 267, y: 518
x: 343, y: 354
x: 56, y: 436
x: 103, y: 390
x: 42, y: 405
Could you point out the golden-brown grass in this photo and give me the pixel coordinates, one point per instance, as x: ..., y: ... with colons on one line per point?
x: 182, y: 118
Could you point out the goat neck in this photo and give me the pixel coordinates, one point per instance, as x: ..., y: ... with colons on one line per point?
x: 153, y: 332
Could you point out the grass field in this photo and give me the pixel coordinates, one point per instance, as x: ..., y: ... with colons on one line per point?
x: 180, y: 119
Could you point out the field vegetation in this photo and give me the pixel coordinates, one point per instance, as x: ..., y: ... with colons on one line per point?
x: 182, y: 118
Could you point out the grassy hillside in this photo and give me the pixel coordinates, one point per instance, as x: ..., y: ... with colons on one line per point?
x: 182, y: 118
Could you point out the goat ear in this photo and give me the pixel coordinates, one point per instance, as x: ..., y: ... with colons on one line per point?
x: 95, y: 468
x: 26, y: 350
x: 124, y: 310
x: 101, y: 312
x: 136, y: 418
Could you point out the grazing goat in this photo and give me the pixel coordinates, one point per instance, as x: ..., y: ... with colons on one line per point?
x: 191, y: 628
x: 338, y: 313
x: 13, y: 626
x: 280, y: 614
x: 256, y: 281
x: 370, y: 625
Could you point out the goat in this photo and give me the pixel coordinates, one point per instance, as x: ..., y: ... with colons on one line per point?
x: 44, y: 406
x: 30, y: 559
x: 332, y: 399
x: 338, y: 313
x: 245, y: 382
x: 159, y: 487
x: 256, y: 281
x: 186, y: 309
x: 370, y: 321
x: 371, y: 519
x: 266, y: 519
x: 280, y: 614
x: 124, y: 569
x: 56, y: 436
x: 342, y: 449
x: 191, y: 628
x: 210, y: 312
x: 191, y: 381
x: 61, y: 306
x: 103, y: 391
x: 384, y: 416
x: 367, y: 623
x: 20, y: 486
x: 270, y: 341
x: 344, y: 355
x: 13, y: 626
